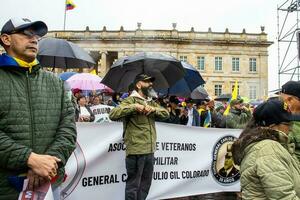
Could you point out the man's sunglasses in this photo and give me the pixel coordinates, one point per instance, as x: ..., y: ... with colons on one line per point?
x: 28, y: 33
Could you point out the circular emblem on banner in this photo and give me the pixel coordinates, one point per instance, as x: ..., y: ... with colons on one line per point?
x: 224, y: 170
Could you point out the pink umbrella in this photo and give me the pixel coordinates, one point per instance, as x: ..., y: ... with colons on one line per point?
x: 86, y: 81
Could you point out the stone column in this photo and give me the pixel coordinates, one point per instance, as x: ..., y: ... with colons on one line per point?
x: 103, y: 63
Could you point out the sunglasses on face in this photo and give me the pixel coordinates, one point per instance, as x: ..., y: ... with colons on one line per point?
x: 28, y: 33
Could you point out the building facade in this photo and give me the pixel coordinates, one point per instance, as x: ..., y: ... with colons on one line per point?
x: 221, y: 57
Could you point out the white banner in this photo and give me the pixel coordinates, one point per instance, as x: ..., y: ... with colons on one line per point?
x: 189, y: 161
x: 101, y: 113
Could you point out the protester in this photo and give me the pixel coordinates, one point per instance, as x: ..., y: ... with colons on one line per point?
x: 37, y: 132
x: 238, y: 116
x: 219, y: 120
x: 138, y: 113
x: 97, y: 100
x: 193, y: 115
x: 209, y: 116
x: 290, y: 92
x: 83, y: 112
x: 268, y: 167
x: 76, y: 92
x: 174, y: 111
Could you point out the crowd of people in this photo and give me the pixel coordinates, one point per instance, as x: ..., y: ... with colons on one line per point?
x: 189, y: 112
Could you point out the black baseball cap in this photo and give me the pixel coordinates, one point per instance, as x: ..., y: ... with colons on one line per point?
x: 273, y: 111
x: 15, y: 25
x: 291, y: 88
x: 143, y: 77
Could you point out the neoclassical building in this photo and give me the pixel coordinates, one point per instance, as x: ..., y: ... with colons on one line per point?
x: 221, y: 57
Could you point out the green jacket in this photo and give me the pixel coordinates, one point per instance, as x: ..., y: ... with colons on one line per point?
x: 140, y: 132
x: 294, y: 136
x: 35, y: 116
x: 237, y: 119
x: 269, y: 171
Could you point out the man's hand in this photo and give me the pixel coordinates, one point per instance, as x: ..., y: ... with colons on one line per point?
x: 140, y: 108
x: 43, y: 165
x: 35, y: 181
x: 148, y: 110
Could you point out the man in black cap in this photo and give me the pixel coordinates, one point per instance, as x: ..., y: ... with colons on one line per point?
x: 290, y: 92
x: 37, y: 131
x: 138, y: 113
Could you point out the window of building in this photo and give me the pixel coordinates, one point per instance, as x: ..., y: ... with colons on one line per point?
x: 252, y: 92
x: 201, y: 63
x: 218, y: 63
x: 252, y: 64
x: 183, y: 58
x: 238, y: 87
x: 235, y: 64
x: 218, y: 90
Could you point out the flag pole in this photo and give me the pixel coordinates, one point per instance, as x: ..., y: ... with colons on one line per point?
x: 65, y: 15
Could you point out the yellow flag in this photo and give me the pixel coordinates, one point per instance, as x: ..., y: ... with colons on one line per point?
x: 93, y: 72
x: 234, y: 95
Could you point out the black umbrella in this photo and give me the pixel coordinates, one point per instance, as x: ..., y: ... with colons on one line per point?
x: 59, y: 53
x: 224, y: 97
x: 166, y: 69
x: 185, y: 86
x: 199, y: 93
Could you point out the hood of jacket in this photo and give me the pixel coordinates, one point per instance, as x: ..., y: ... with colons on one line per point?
x: 137, y: 95
x: 7, y: 61
x: 253, y: 135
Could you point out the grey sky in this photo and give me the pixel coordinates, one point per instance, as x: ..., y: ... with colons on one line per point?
x: 155, y: 14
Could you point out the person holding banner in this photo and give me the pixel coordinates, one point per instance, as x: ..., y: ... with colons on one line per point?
x: 138, y: 113
x: 37, y: 121
x: 268, y: 166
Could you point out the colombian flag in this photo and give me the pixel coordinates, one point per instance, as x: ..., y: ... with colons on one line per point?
x: 70, y: 5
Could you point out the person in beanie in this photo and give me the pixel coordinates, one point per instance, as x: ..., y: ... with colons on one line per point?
x: 138, y: 113
x: 268, y: 166
x: 37, y: 123
x: 290, y: 92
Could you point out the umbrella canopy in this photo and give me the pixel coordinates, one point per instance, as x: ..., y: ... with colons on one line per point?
x: 66, y: 75
x: 166, y: 69
x: 59, y: 53
x: 86, y: 81
x: 225, y: 97
x: 199, y: 93
x: 185, y: 86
